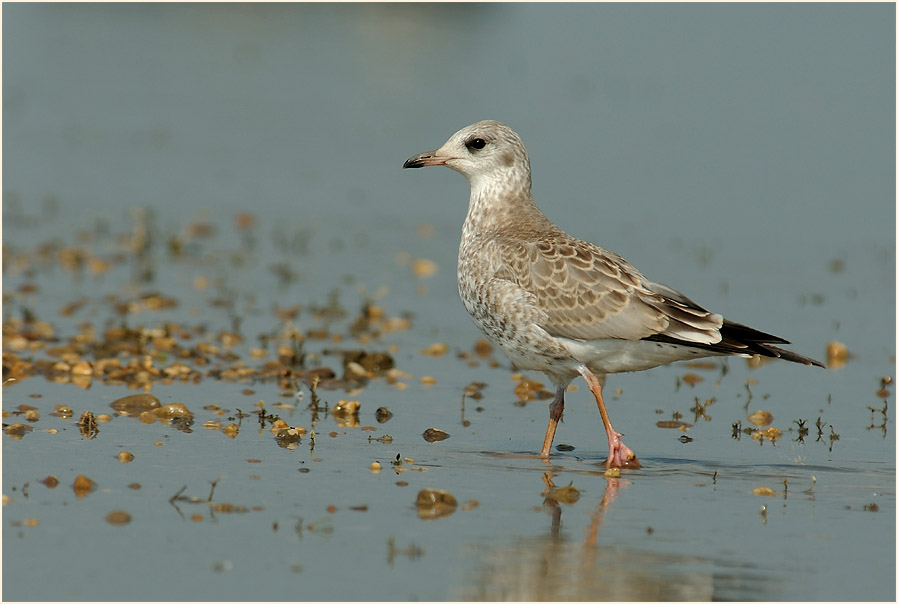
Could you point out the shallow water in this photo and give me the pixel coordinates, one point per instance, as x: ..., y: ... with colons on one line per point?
x: 741, y: 158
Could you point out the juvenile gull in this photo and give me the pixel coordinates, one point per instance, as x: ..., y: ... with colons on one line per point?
x: 562, y: 306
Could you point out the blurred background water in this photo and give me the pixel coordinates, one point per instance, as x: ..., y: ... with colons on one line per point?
x: 743, y: 154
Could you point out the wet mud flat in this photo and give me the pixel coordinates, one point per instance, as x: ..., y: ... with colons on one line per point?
x: 219, y: 402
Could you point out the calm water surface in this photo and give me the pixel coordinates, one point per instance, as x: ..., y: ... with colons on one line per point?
x: 737, y: 153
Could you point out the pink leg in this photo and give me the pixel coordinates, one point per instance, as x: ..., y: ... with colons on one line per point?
x: 619, y: 454
x: 556, y: 409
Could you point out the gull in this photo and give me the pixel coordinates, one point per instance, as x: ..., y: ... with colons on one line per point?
x: 562, y: 306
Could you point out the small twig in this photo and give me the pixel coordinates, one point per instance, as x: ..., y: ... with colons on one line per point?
x: 212, y: 490
x: 174, y: 497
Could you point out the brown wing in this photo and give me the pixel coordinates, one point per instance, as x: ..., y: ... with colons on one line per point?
x: 588, y: 293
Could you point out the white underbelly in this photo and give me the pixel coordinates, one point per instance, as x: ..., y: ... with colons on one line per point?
x: 615, y: 356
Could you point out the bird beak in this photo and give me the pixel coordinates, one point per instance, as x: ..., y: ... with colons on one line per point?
x: 423, y: 160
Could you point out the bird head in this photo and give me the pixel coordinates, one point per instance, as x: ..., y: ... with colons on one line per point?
x: 486, y: 153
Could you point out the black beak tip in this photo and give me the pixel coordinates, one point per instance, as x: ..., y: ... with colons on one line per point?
x: 412, y: 162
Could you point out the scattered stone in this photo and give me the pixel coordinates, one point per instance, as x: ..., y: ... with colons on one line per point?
x: 436, y: 349
x: 435, y: 503
x: 135, y: 404
x: 118, y: 518
x: 568, y: 495
x: 761, y: 418
x: 289, y: 438
x: 377, y: 363
x: 83, y: 486
x: 17, y: 431
x: 172, y: 411
x: 673, y: 424
x: 528, y: 390
x: 692, y: 379
x: 424, y: 268
x: 346, y: 408
x: 433, y: 435
x: 837, y: 355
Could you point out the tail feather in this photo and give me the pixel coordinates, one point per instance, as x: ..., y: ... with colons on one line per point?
x: 738, y: 339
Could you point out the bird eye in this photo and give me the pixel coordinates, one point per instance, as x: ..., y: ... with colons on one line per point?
x: 476, y: 143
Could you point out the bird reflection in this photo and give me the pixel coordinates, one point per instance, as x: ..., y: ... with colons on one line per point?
x: 556, y: 566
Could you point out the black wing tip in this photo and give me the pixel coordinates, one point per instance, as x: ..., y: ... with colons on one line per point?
x: 805, y: 361
x: 743, y: 348
x: 788, y: 355
x: 762, y: 343
x: 740, y: 332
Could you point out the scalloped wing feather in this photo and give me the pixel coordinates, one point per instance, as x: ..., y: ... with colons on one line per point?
x: 589, y: 293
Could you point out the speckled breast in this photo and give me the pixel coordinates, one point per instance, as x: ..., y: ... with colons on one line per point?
x: 508, y: 320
